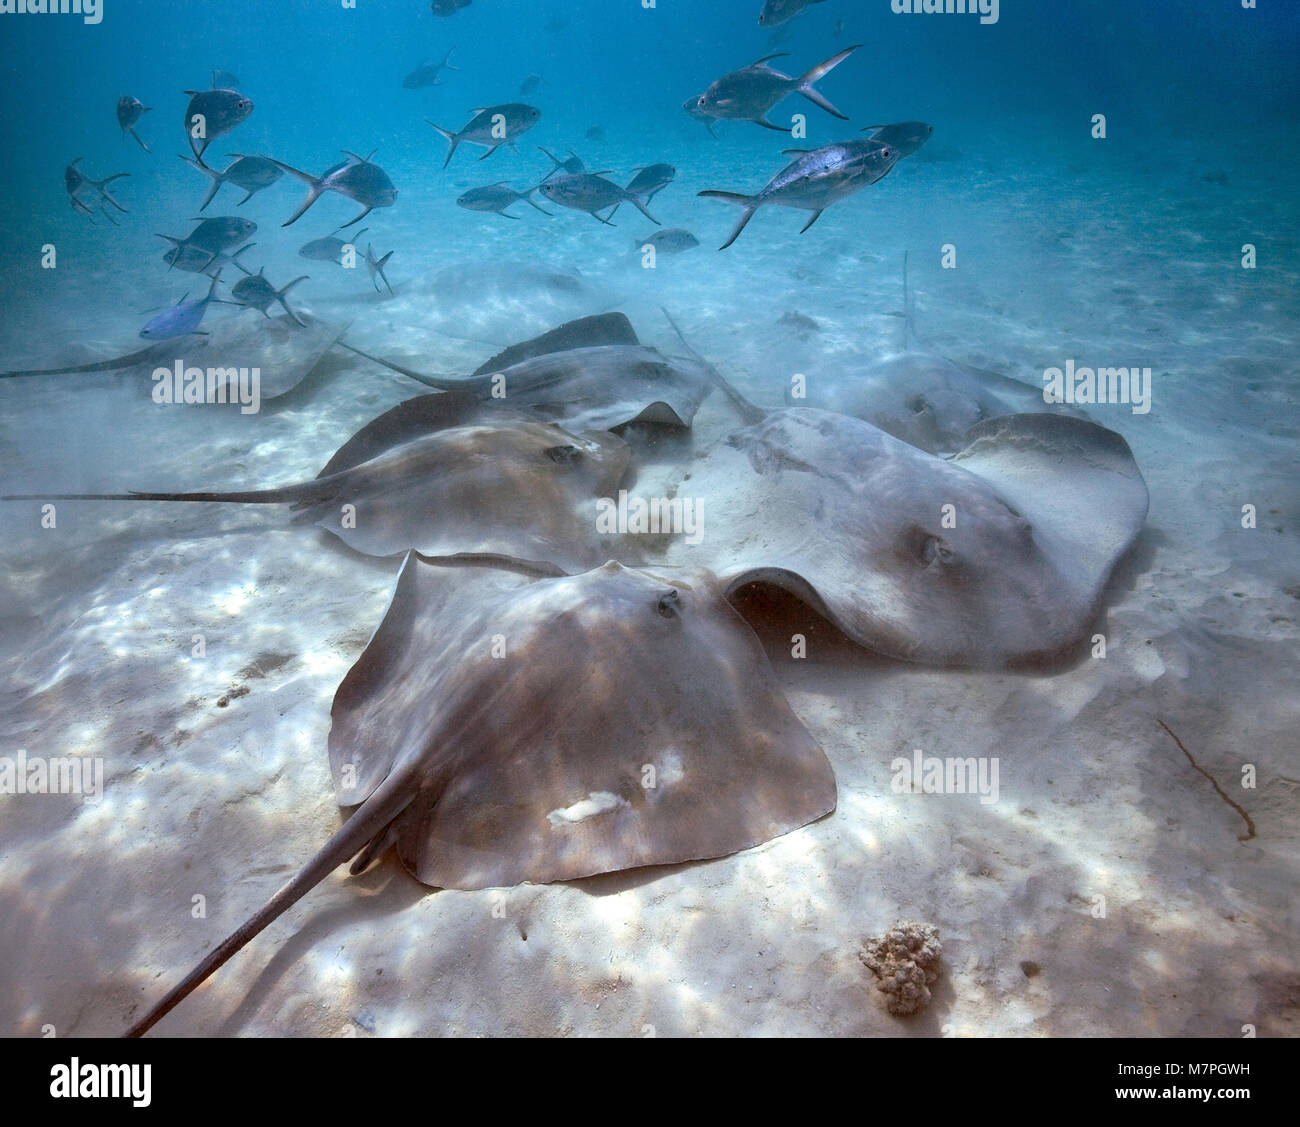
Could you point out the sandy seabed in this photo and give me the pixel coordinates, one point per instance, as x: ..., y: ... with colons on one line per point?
x: 1108, y: 891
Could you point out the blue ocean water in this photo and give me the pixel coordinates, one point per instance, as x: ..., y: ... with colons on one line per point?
x: 1031, y: 241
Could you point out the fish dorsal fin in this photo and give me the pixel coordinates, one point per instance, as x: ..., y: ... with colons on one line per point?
x: 192, y: 94
x: 767, y: 59
x: 360, y: 160
x: 795, y: 152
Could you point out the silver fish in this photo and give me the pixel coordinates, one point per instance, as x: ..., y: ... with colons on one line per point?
x: 77, y: 182
x: 510, y: 120
x: 357, y: 178
x: 651, y: 179
x: 182, y: 318
x: 776, y: 12
x: 816, y: 179
x: 129, y: 111
x: 497, y: 197
x: 376, y: 267
x: 250, y: 173
x: 195, y: 260
x: 674, y: 240
x: 748, y: 94
x: 905, y: 136
x: 219, y: 112
x: 590, y: 192
x: 255, y: 292
x: 426, y: 74
x: 572, y: 163
x: 329, y: 249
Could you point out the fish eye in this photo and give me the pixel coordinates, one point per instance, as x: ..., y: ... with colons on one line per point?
x: 564, y: 455
x: 667, y: 604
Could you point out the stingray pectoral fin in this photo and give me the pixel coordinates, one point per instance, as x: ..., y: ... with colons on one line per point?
x: 371, y: 819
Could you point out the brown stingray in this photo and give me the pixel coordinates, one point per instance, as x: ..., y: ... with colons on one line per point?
x: 434, y: 476
x: 588, y: 374
x: 999, y: 555
x: 284, y: 352
x: 501, y: 729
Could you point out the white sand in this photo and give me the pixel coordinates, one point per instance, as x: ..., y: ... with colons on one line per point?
x: 1199, y: 929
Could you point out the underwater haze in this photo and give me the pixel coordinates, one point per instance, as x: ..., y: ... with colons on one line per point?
x: 869, y: 318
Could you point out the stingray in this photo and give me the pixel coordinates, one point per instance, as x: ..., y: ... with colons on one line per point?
x: 432, y: 474
x: 501, y: 729
x: 592, y: 373
x: 997, y: 556
x: 921, y: 397
x: 285, y: 353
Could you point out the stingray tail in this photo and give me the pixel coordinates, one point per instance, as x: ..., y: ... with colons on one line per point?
x: 304, y: 492
x: 750, y: 412
x: 749, y: 203
x: 806, y: 83
x: 419, y: 377
x: 369, y: 821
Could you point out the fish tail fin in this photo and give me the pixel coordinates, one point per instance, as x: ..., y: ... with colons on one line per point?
x: 210, y: 172
x: 102, y: 187
x: 371, y: 820
x: 281, y: 294
x: 749, y: 203
x: 807, y: 82
x: 378, y: 268
x: 313, y: 194
x: 635, y: 202
x: 528, y: 199
x: 447, y: 56
x: 451, y: 137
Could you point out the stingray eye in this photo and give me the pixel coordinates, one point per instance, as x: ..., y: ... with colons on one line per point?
x: 667, y: 604
x: 564, y: 455
x: 933, y: 549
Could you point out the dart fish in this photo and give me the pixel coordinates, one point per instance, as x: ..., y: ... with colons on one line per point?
x: 129, y: 111
x: 748, y: 94
x: 816, y: 179
x: 491, y: 127
x: 255, y: 292
x: 497, y: 197
x: 650, y: 179
x: 674, y: 240
x: 195, y: 260
x: 77, y: 182
x: 210, y: 238
x: 906, y: 136
x: 212, y: 113
x: 776, y: 12
x: 182, y: 318
x: 572, y: 163
x: 250, y: 173
x: 376, y: 267
x: 329, y: 249
x: 426, y: 74
x: 357, y: 178
x: 591, y: 193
